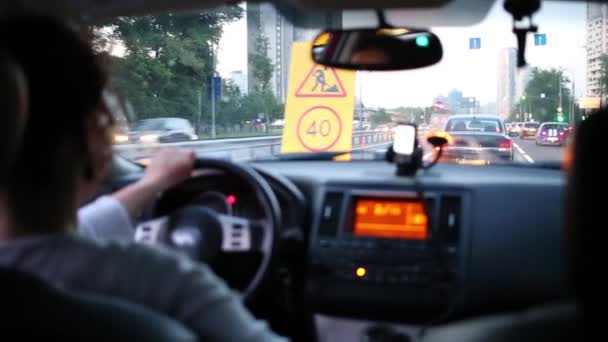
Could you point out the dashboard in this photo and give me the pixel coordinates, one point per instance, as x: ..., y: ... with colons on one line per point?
x: 489, y: 238
x: 454, y: 241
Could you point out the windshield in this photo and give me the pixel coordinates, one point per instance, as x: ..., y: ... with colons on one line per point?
x: 230, y: 73
x: 554, y: 126
x: 474, y: 125
x: 150, y: 125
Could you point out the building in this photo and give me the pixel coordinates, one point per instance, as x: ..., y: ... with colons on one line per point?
x: 264, y: 20
x: 506, y: 89
x: 455, y: 100
x: 523, y: 78
x: 239, y: 79
x: 597, y: 44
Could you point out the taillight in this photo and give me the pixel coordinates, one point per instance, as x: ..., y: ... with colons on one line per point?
x: 561, y: 133
x: 543, y: 132
x: 497, y: 130
x: 505, y: 144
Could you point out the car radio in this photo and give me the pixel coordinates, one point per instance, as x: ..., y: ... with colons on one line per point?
x: 396, y: 247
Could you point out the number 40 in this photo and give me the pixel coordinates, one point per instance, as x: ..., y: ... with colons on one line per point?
x: 324, y: 128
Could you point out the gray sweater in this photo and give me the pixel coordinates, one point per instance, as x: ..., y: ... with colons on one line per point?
x: 154, y: 277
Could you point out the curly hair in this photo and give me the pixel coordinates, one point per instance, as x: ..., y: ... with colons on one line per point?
x: 65, y: 84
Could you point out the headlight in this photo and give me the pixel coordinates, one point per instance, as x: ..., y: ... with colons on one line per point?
x: 149, y: 138
x: 120, y: 138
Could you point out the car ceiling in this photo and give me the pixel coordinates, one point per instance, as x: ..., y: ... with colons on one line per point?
x: 413, y: 13
x: 300, y: 12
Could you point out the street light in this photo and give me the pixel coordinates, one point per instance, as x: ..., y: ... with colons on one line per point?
x: 559, y: 109
x: 542, y: 95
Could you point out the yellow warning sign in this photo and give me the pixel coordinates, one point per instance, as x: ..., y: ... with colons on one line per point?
x: 321, y: 81
x: 319, y: 107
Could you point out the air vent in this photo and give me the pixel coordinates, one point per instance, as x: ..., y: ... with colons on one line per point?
x: 450, y: 213
x: 330, y: 214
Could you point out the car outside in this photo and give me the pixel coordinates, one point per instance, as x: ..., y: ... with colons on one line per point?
x: 515, y: 129
x: 477, y: 138
x: 161, y: 130
x: 552, y: 133
x: 529, y: 130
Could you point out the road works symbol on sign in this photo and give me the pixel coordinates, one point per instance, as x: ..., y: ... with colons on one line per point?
x: 321, y: 81
x: 319, y: 106
x: 319, y: 128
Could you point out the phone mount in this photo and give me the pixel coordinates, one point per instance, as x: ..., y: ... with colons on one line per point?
x: 409, y: 164
x: 406, y: 165
x: 405, y: 150
x: 521, y: 9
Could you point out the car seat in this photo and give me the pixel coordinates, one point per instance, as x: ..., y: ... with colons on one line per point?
x: 32, y: 309
x: 459, y: 126
x: 13, y: 88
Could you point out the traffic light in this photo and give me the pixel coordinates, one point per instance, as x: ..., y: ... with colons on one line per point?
x: 560, y: 117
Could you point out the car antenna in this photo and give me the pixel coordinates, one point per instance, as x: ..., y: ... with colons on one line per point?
x: 521, y: 9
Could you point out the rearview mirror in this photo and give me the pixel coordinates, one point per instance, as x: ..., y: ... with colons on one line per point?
x: 377, y: 49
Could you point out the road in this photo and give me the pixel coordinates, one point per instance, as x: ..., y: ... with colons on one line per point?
x: 528, y: 152
x: 367, y: 145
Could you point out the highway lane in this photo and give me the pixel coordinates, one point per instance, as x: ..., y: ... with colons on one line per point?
x: 527, y: 151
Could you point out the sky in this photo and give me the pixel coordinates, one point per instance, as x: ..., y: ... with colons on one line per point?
x: 474, y: 72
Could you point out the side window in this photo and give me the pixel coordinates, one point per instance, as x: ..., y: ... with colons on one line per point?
x: 175, y: 124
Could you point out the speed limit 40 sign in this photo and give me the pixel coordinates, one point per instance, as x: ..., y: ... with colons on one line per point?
x: 319, y: 107
x: 319, y: 128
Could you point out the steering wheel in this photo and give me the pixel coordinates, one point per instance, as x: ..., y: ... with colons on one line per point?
x: 204, y: 234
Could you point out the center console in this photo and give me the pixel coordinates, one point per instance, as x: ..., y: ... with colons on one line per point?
x: 386, y: 253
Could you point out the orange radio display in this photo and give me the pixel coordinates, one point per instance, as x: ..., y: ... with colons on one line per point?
x: 386, y: 218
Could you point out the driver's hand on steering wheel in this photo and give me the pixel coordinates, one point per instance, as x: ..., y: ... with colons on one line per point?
x: 168, y: 168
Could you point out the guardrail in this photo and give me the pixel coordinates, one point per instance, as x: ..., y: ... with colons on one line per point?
x: 245, y: 148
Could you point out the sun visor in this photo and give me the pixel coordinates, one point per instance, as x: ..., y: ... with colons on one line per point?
x: 453, y: 13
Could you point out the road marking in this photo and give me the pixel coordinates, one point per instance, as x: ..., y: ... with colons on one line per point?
x: 524, y: 154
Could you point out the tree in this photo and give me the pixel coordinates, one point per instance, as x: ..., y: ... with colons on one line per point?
x: 231, y: 107
x: 167, y: 58
x: 260, y: 64
x: 416, y: 115
x: 262, y: 102
x: 541, y: 96
x: 380, y: 117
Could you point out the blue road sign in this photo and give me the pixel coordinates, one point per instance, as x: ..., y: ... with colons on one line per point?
x: 474, y: 43
x: 217, y: 85
x: 540, y: 39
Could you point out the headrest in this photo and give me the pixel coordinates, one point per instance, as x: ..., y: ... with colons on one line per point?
x: 13, y: 103
x: 585, y: 212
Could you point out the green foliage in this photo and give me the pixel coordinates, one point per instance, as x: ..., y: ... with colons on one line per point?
x: 547, y: 82
x: 237, y: 109
x: 167, y: 59
x: 380, y: 117
x: 260, y: 64
x: 416, y: 115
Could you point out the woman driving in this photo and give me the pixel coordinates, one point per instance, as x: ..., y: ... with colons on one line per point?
x: 64, y: 152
